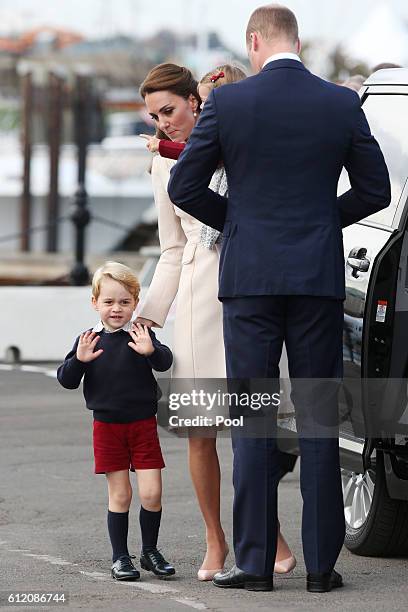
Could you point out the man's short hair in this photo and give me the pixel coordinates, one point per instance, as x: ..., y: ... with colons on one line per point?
x: 273, y: 21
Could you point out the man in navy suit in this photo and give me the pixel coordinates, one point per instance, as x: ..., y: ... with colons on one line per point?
x: 284, y: 136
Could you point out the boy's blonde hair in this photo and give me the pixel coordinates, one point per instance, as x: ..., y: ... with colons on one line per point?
x: 232, y: 74
x: 118, y: 272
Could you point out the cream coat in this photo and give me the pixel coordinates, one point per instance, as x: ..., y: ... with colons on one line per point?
x: 189, y: 270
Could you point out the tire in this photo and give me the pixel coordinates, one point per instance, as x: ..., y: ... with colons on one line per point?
x: 376, y: 525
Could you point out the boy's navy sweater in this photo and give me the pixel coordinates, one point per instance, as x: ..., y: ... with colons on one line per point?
x: 119, y: 385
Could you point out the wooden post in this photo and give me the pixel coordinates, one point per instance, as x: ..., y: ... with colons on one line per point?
x: 27, y: 94
x: 54, y: 140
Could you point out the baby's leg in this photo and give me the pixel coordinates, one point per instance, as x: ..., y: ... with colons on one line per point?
x: 119, y: 490
x: 120, y: 496
x: 150, y: 491
x: 149, y: 483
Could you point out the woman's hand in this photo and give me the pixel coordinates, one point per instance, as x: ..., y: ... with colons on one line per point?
x: 152, y: 142
x: 142, y: 343
x: 86, y: 345
x: 142, y: 321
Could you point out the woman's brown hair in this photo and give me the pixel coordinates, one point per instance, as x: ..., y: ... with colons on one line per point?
x: 170, y: 77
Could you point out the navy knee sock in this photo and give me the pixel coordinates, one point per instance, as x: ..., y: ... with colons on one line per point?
x: 149, y: 525
x: 118, y: 524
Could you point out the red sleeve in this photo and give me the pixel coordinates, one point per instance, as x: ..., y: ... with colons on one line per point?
x: 170, y: 149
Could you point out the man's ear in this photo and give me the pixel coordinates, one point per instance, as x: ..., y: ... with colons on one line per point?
x: 254, y: 41
x: 298, y: 46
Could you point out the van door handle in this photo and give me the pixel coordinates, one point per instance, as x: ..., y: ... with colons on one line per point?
x: 358, y: 261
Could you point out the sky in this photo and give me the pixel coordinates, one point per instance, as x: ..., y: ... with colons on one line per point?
x: 332, y: 19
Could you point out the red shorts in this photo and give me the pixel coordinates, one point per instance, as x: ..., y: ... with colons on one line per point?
x: 124, y: 446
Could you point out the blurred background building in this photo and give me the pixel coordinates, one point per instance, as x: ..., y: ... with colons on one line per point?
x: 114, y: 44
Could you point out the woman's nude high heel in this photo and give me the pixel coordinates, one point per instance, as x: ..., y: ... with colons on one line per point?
x: 288, y: 563
x: 285, y: 566
x: 204, y: 575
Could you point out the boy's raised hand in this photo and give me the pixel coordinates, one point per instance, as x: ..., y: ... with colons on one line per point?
x: 142, y: 343
x: 86, y: 345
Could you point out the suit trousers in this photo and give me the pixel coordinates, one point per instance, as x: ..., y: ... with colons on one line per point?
x: 255, y: 328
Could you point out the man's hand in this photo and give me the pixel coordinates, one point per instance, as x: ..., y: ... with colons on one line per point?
x: 86, y: 345
x: 152, y: 142
x: 142, y: 343
x: 145, y: 322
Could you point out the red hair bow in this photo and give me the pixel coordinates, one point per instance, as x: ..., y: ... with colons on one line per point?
x: 215, y: 77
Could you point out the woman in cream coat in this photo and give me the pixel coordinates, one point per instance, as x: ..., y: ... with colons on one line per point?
x: 188, y: 268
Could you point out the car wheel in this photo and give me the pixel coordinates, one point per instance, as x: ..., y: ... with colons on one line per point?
x: 376, y: 525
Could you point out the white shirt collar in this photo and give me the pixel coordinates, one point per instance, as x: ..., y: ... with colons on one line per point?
x: 278, y: 56
x: 100, y: 327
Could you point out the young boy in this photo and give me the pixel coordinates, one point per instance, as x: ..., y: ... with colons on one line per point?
x: 116, y: 359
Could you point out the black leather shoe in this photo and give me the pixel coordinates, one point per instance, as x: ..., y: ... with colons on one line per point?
x: 153, y: 561
x: 123, y: 569
x: 322, y: 583
x: 238, y: 579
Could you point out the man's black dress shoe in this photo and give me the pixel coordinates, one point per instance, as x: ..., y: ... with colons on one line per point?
x: 153, y: 561
x: 322, y: 583
x: 123, y: 569
x: 238, y: 579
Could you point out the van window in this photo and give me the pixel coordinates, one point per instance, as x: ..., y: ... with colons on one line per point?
x: 387, y: 116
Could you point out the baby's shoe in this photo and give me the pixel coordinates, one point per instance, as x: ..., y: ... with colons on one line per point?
x: 152, y: 560
x: 123, y: 569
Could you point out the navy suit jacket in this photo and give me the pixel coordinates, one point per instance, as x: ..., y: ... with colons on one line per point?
x: 284, y: 136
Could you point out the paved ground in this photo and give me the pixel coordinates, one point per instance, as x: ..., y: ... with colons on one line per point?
x: 53, y: 517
